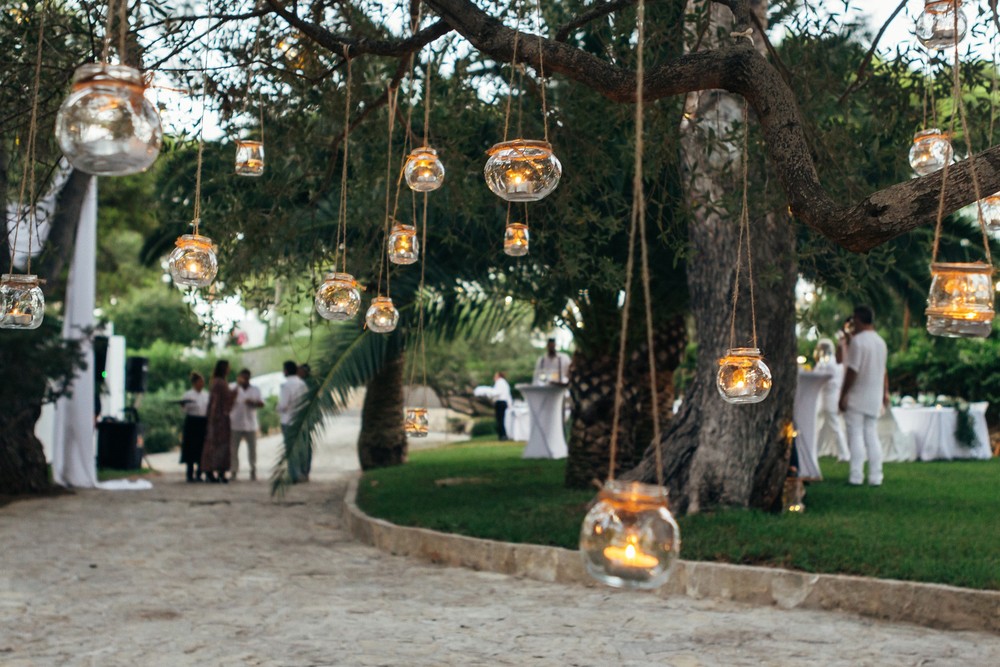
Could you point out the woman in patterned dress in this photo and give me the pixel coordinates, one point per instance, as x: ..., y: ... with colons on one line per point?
x: 215, y: 459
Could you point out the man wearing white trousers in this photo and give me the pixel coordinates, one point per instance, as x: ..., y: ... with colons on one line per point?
x: 865, y: 392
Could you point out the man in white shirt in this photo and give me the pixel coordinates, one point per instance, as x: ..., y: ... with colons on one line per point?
x: 501, y: 400
x: 290, y: 395
x: 243, y: 423
x: 552, y: 366
x: 865, y: 392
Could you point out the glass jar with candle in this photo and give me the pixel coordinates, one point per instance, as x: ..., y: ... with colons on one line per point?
x: 522, y: 170
x: 416, y: 424
x: 937, y: 24
x: 106, y: 126
x: 249, y: 157
x: 960, y: 302
x: 930, y: 152
x: 629, y: 538
x: 22, y: 304
x: 515, y: 239
x: 424, y: 171
x: 382, y: 315
x: 193, y: 263
x: 743, y: 376
x: 404, y: 248
x: 991, y: 211
x: 339, y: 297
x: 792, y: 495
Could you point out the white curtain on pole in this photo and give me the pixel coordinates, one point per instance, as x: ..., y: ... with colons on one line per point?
x: 73, y: 448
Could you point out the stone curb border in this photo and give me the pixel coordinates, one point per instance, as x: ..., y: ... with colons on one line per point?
x: 931, y: 605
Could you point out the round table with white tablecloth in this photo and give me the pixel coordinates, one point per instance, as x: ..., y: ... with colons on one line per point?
x: 807, y: 393
x: 933, y: 429
x: 545, y: 404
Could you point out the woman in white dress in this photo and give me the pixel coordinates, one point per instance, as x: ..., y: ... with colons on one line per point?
x: 831, y: 439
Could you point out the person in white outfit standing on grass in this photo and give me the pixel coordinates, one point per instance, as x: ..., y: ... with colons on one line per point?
x: 864, y: 394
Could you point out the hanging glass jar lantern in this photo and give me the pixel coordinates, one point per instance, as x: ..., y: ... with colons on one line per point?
x: 339, y: 297
x: 249, y: 157
x: 424, y: 170
x: 107, y: 126
x: 22, y: 304
x: 629, y: 538
x: 192, y: 262
x: 515, y: 239
x: 743, y: 376
x: 930, y: 152
x: 404, y: 248
x: 522, y: 170
x: 416, y: 424
x: 382, y: 316
x: 936, y: 26
x: 960, y: 302
x: 991, y: 211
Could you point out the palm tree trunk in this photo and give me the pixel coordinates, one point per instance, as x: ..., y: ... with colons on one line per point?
x: 382, y: 442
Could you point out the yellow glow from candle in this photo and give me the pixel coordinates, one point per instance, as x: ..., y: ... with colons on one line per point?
x: 630, y: 556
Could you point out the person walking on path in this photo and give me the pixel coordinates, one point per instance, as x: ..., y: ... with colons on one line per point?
x: 215, y: 458
x: 194, y: 402
x: 501, y: 401
x: 243, y: 422
x: 290, y: 395
x: 864, y: 394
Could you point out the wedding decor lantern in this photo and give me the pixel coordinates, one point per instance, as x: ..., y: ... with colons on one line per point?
x: 515, y: 239
x: 106, y: 126
x: 930, y: 152
x: 404, y: 248
x: 792, y: 495
x: 743, y: 376
x: 382, y: 316
x: 629, y: 539
x: 193, y: 263
x: 416, y: 425
x: 339, y: 297
x: 249, y: 157
x: 22, y: 304
x: 522, y: 170
x: 424, y: 171
x: 941, y: 24
x: 960, y: 303
x: 991, y: 211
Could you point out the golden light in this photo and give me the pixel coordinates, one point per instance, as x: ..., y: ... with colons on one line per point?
x: 416, y: 424
x: 404, y: 248
x: 522, y: 170
x: 424, y: 171
x: 930, y: 152
x: 22, y: 304
x: 193, y: 263
x: 743, y: 376
x: 249, y: 157
x: 792, y: 495
x: 382, y: 315
x: 515, y: 239
x: 960, y: 302
x: 339, y: 297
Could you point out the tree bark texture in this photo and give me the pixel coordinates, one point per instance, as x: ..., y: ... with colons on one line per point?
x: 22, y: 460
x: 382, y: 442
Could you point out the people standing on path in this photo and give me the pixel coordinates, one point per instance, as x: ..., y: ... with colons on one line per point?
x: 831, y: 439
x: 215, y: 458
x: 243, y: 422
x: 194, y: 403
x: 290, y: 395
x: 501, y: 401
x: 864, y: 394
x: 553, y: 366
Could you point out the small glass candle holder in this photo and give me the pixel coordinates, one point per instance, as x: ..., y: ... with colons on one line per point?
x: 629, y: 538
x: 416, y: 424
x: 404, y: 248
x: 937, y: 24
x: 193, y: 263
x: 382, y: 316
x: 339, y: 297
x: 424, y: 171
x: 960, y: 302
x: 743, y: 376
x: 522, y: 170
x: 792, y: 496
x: 930, y: 152
x: 106, y: 126
x: 515, y: 239
x: 249, y: 157
x: 22, y: 304
x: 991, y: 211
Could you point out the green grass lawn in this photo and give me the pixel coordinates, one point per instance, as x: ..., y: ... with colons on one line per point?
x: 934, y: 522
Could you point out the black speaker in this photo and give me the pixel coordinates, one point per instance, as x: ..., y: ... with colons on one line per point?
x: 136, y: 369
x: 118, y: 445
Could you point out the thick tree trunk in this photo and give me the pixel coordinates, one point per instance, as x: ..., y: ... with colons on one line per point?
x: 382, y: 442
x: 22, y: 461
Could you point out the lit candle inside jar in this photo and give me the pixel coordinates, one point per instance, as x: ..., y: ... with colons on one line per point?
x: 18, y: 316
x: 516, y: 182
x: 630, y: 556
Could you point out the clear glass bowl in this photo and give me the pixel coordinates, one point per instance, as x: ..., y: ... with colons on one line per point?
x: 416, y: 424
x: 249, y: 157
x: 960, y: 301
x: 936, y: 26
x: 193, y: 263
x: 516, y: 239
x: 743, y: 376
x: 522, y: 170
x: 22, y: 304
x: 339, y: 297
x: 404, y: 248
x: 424, y: 171
x: 382, y: 316
x: 930, y: 152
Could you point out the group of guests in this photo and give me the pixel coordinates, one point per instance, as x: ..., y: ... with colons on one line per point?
x: 217, y: 421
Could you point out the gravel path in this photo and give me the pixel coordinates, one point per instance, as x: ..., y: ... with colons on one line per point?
x: 225, y: 575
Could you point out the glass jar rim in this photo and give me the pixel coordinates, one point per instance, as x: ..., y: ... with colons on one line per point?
x: 249, y: 142
x: 338, y: 277
x: 933, y: 6
x: 188, y: 240
x: 634, y: 491
x: 929, y: 133
x: 20, y: 279
x: 382, y: 299
x: 423, y: 150
x: 743, y: 352
x: 416, y: 411
x: 516, y: 225
x: 981, y: 268
x: 95, y: 73
x: 403, y: 227
x: 520, y: 144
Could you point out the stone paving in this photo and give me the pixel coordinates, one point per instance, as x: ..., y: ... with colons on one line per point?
x: 204, y: 574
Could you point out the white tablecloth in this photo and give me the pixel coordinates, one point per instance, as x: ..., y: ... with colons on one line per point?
x: 517, y: 421
x: 933, y: 430
x: 546, y: 440
x: 807, y: 393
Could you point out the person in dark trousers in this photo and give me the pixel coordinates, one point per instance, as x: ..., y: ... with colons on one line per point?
x: 194, y: 402
x: 502, y: 400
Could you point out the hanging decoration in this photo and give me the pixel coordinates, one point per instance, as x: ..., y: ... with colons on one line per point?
x: 930, y: 152
x: 106, y: 126
x: 382, y: 316
x: 416, y: 424
x: 629, y: 538
x: 249, y: 157
x: 404, y: 247
x: 991, y: 211
x: 515, y: 239
x: 941, y: 24
x: 424, y: 170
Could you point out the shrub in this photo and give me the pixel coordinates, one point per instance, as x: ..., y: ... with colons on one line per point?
x: 483, y: 426
x: 162, y: 420
x: 170, y: 365
x: 267, y: 416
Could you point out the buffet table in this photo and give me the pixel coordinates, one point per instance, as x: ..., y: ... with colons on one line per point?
x: 933, y: 429
x: 545, y: 404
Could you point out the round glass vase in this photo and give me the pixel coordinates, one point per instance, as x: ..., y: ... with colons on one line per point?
x: 936, y: 25
x: 382, y: 316
x: 743, y: 376
x: 249, y: 157
x: 404, y: 248
x: 930, y: 152
x: 960, y: 301
x: 416, y: 424
x: 991, y: 211
x: 339, y: 297
x: 193, y: 263
x: 629, y: 538
x: 516, y: 239
x: 424, y: 171
x: 522, y: 170
x: 22, y: 304
x: 106, y: 126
